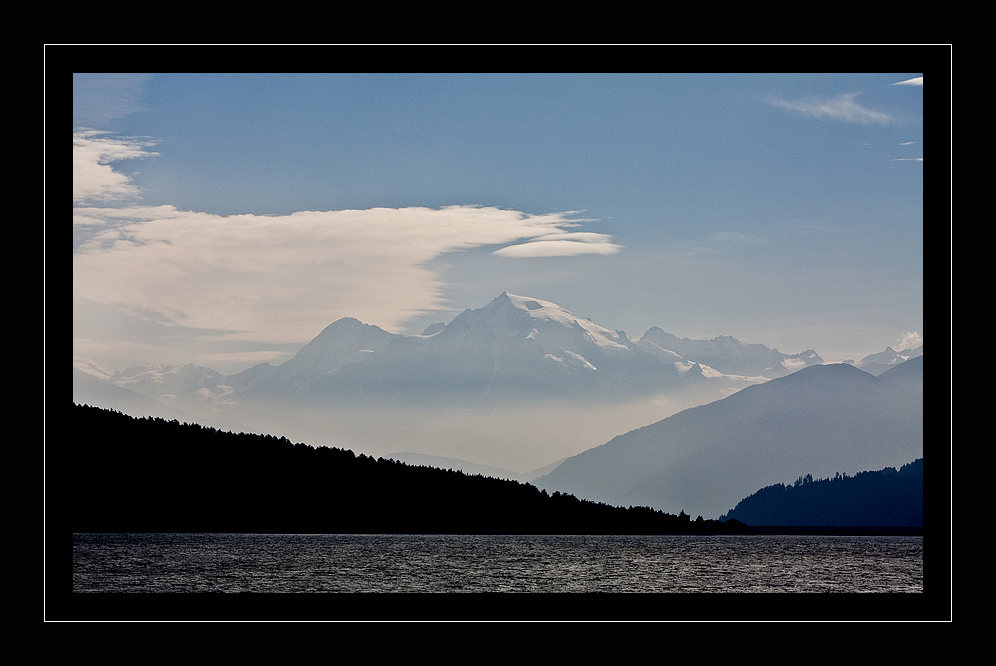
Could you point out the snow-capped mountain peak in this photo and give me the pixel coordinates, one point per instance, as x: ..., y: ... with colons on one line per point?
x: 881, y: 361
x: 545, y: 310
x: 515, y: 346
x: 92, y: 368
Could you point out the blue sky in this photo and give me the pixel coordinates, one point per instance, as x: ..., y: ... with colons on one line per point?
x: 225, y: 220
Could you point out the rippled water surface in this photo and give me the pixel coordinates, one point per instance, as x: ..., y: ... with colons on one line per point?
x: 452, y: 563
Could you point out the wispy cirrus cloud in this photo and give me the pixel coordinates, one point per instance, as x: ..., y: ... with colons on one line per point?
x: 842, y: 108
x: 916, y: 81
x: 102, y: 98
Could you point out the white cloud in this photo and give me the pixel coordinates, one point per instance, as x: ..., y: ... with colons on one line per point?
x: 283, y: 278
x: 280, y: 279
x: 842, y: 108
x: 909, y: 340
x: 917, y: 81
x: 93, y: 177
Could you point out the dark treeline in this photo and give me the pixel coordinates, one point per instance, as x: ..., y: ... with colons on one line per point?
x: 888, y: 497
x: 153, y: 475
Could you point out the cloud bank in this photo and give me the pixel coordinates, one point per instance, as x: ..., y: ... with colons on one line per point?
x: 281, y: 279
x: 842, y: 108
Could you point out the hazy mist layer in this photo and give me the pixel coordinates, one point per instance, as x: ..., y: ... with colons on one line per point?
x: 518, y: 436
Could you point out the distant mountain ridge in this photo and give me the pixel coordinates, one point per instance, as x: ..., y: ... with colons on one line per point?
x: 821, y: 419
x: 731, y: 356
x: 515, y: 384
x: 881, y: 361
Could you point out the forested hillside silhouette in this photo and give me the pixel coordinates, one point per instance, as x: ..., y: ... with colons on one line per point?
x: 888, y: 497
x: 153, y: 475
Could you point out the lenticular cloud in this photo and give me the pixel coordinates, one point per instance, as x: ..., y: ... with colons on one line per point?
x: 556, y: 248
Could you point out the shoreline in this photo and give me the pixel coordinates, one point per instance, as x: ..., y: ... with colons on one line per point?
x: 790, y: 530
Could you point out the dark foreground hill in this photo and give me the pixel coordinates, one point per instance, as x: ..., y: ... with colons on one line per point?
x: 888, y: 497
x: 153, y: 475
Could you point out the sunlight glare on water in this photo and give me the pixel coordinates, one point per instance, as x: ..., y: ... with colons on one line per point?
x: 458, y: 563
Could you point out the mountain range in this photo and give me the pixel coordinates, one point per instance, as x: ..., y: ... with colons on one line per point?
x: 514, y: 347
x: 823, y: 420
x: 516, y: 384
x: 879, y: 362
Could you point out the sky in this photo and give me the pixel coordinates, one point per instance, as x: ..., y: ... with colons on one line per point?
x: 226, y: 219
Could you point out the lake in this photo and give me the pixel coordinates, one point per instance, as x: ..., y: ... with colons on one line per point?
x: 289, y: 563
